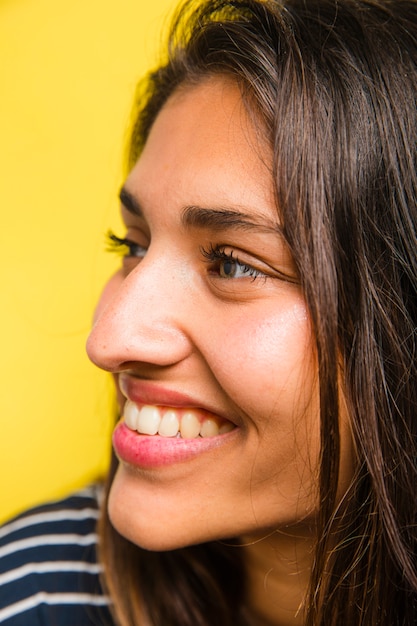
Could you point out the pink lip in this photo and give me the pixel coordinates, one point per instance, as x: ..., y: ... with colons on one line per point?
x: 144, y: 392
x: 147, y: 452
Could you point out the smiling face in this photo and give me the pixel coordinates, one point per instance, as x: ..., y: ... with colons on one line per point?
x: 206, y: 326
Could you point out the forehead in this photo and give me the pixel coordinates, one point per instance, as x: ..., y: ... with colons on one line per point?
x: 203, y: 142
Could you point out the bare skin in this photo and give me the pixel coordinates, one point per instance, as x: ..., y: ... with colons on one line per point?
x: 227, y: 334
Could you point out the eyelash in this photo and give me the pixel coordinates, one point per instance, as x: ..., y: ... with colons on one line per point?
x: 214, y: 254
x: 119, y: 244
x: 217, y: 254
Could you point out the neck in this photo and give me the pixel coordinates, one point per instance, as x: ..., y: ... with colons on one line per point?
x: 278, y: 569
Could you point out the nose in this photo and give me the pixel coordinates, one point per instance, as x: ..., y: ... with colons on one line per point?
x: 141, y: 319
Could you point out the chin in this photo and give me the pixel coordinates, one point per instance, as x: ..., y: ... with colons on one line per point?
x: 148, y: 523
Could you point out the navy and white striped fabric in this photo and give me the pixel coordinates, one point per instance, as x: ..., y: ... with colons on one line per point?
x: 49, y: 575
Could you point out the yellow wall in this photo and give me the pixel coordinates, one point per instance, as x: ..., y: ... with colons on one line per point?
x: 67, y: 76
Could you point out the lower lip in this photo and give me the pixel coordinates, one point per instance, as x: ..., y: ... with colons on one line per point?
x: 152, y: 451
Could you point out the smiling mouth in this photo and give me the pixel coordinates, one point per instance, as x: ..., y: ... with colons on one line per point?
x: 173, y: 422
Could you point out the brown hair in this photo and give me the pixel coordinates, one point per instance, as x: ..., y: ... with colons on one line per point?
x: 334, y: 85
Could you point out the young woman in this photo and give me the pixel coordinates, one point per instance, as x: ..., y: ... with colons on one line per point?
x: 262, y: 327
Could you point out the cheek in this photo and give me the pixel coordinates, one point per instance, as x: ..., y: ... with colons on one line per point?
x: 274, y: 380
x: 270, y: 358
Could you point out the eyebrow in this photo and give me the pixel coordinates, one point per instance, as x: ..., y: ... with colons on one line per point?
x: 129, y: 202
x: 209, y: 218
x: 227, y: 219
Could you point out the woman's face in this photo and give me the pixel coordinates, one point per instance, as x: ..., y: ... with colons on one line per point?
x: 205, y: 325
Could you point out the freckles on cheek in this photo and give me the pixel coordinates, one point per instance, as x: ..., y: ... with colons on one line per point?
x: 282, y: 338
x: 268, y: 357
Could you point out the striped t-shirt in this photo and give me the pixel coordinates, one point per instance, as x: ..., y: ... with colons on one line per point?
x: 49, y: 575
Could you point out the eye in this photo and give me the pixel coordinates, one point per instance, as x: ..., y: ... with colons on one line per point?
x: 233, y: 268
x: 228, y: 266
x: 124, y: 247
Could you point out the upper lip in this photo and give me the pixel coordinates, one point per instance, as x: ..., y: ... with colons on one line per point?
x: 143, y: 392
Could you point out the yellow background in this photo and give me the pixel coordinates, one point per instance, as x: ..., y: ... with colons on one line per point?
x: 68, y: 72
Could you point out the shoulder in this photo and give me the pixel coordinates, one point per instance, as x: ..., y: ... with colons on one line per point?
x: 49, y: 572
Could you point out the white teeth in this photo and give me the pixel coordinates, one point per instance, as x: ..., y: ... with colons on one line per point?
x: 209, y: 428
x: 190, y: 426
x: 169, y: 425
x: 150, y: 420
x: 131, y: 415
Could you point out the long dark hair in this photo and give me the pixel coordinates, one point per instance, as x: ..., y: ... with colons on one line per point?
x: 332, y: 85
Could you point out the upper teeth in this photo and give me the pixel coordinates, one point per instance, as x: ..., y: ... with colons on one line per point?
x: 169, y: 422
